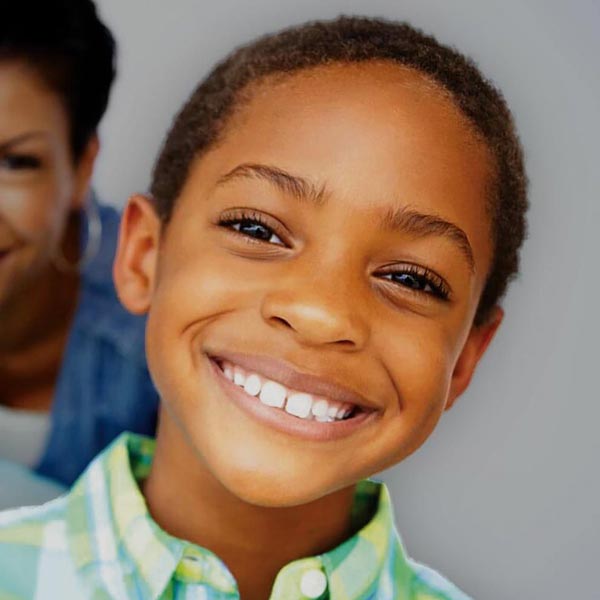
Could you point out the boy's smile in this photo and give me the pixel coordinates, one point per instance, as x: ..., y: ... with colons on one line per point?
x: 328, y: 255
x: 296, y: 403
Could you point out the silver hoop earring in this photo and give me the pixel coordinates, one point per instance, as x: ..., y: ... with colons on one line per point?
x: 94, y: 237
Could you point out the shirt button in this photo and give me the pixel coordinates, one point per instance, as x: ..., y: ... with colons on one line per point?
x: 313, y: 583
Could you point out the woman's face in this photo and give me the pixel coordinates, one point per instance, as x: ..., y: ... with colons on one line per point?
x: 335, y: 241
x: 39, y: 181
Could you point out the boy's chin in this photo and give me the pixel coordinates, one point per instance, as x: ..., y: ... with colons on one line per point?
x: 270, y: 490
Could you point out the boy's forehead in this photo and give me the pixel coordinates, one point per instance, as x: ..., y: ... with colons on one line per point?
x: 373, y: 93
x: 380, y: 122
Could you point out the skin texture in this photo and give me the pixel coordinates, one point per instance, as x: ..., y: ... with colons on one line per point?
x: 41, y: 187
x: 371, y: 138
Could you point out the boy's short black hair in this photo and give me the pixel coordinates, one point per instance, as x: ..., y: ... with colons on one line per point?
x: 352, y: 40
x: 71, y: 50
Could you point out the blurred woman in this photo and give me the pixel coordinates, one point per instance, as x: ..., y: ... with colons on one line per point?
x: 72, y: 367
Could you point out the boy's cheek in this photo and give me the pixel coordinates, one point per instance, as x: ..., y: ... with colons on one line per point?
x: 417, y: 355
x: 420, y: 368
x: 190, y: 296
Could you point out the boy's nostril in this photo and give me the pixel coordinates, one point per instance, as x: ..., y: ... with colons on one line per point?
x: 346, y: 343
x: 282, y: 321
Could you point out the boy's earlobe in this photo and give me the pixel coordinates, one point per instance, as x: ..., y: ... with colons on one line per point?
x: 475, y: 346
x: 134, y: 269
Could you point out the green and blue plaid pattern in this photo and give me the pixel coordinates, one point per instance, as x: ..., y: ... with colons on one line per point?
x: 99, y: 542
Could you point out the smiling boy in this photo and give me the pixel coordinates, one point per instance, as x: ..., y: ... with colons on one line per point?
x: 335, y: 215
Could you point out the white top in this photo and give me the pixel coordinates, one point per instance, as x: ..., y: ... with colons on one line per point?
x: 23, y: 435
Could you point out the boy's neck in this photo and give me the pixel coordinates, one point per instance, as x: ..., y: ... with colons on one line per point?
x: 253, y: 541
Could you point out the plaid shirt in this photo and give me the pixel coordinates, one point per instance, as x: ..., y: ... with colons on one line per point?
x: 100, y: 542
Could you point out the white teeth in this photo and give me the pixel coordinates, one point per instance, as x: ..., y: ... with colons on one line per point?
x: 228, y: 370
x: 239, y: 377
x: 319, y: 408
x: 273, y: 394
x: 253, y: 384
x: 333, y: 410
x: 324, y: 419
x: 299, y: 405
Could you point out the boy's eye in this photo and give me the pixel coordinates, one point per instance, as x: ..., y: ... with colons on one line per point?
x: 252, y: 227
x: 19, y: 162
x: 256, y: 230
x: 419, y: 280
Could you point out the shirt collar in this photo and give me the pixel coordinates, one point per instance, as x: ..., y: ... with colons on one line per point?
x: 113, y: 539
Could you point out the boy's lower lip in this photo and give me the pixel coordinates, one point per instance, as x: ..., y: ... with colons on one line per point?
x: 280, y: 420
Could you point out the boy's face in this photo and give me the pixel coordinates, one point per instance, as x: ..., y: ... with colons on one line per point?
x: 320, y: 237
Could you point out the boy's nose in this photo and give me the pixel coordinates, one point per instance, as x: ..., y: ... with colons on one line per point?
x: 316, y: 316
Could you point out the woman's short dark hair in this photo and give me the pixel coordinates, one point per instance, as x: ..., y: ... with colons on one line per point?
x: 72, y: 51
x: 203, y: 118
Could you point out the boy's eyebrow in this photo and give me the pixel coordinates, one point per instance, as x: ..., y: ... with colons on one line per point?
x: 300, y: 188
x: 419, y: 224
x: 403, y: 219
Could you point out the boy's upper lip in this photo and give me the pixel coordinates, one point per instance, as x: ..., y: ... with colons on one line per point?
x: 282, y: 372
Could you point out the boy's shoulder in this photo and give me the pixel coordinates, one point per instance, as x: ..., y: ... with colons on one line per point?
x: 34, y: 552
x: 28, y: 525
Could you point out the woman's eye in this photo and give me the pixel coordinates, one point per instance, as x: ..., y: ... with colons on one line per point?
x: 418, y: 282
x: 20, y: 162
x: 254, y: 229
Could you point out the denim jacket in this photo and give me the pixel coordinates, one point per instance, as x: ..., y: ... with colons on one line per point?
x: 104, y: 386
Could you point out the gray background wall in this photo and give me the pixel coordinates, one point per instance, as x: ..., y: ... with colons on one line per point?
x: 504, y: 498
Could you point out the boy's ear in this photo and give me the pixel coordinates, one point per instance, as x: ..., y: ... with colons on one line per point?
x: 134, y: 269
x: 477, y: 342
